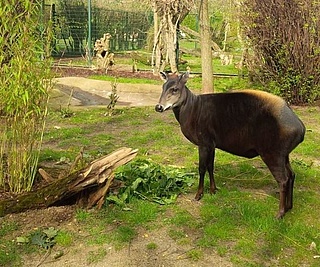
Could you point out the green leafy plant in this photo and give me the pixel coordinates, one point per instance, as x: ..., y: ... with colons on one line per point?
x: 42, y: 238
x: 147, y: 180
x: 67, y: 112
x: 113, y: 96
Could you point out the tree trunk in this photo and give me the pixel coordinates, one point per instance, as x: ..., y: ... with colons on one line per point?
x: 171, y: 42
x: 171, y: 13
x: 156, y: 50
x: 91, y: 184
x: 206, y: 53
x: 240, y: 64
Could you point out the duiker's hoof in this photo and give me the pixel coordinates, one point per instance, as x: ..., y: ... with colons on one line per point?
x: 198, y: 196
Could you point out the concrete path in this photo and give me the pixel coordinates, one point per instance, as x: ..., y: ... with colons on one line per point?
x: 90, y: 92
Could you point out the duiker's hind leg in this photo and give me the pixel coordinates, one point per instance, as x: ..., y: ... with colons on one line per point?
x: 278, y: 167
x: 210, y: 168
x: 291, y: 176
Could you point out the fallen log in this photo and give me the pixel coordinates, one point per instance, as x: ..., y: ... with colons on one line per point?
x: 91, y: 182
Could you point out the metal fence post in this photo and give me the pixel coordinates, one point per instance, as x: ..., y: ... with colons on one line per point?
x: 89, y: 33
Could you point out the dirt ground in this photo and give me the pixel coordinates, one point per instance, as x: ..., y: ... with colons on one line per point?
x: 168, y: 252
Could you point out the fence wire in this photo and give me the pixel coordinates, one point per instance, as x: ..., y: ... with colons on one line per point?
x: 128, y: 30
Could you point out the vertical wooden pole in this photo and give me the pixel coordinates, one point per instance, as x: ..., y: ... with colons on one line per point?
x: 206, y: 53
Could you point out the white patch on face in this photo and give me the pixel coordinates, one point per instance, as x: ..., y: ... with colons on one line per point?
x: 167, y: 106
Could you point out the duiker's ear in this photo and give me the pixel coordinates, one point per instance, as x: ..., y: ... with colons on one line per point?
x: 184, y: 77
x: 163, y: 76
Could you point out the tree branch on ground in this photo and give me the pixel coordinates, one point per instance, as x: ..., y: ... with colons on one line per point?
x: 89, y: 185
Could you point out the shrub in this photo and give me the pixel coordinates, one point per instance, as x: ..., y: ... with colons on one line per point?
x: 284, y: 37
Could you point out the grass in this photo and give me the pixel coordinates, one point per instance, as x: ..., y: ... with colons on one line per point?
x: 96, y: 256
x: 195, y: 254
x: 126, y: 80
x: 237, y: 222
x: 64, y: 238
x: 151, y: 246
x: 117, y: 225
x: 124, y: 129
x: 10, y: 252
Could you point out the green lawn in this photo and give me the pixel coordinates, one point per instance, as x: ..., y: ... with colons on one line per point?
x: 238, y: 221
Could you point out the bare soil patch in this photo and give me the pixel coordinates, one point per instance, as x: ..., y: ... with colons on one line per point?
x: 115, y: 72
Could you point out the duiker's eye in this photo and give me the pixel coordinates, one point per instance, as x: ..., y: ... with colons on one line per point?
x: 174, y: 90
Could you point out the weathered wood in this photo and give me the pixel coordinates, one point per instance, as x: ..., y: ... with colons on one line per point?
x: 46, y: 176
x: 105, y: 58
x: 97, y: 176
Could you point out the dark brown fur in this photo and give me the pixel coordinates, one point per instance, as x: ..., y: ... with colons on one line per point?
x: 246, y: 123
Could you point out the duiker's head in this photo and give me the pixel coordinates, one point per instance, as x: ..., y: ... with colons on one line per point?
x: 172, y: 91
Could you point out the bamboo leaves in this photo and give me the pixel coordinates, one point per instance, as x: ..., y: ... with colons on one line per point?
x: 24, y: 84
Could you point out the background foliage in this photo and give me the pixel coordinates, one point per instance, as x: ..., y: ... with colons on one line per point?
x: 284, y: 37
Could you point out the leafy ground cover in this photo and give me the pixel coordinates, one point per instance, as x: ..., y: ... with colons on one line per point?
x: 235, y: 227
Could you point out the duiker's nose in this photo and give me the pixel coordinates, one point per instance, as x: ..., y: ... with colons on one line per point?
x: 159, y: 108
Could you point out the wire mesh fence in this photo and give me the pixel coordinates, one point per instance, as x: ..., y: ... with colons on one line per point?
x: 128, y: 30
